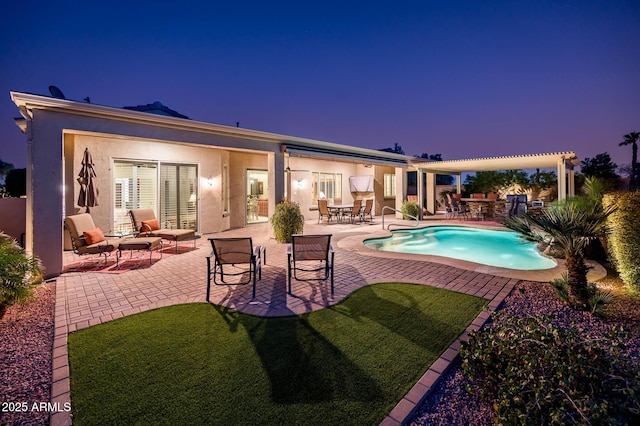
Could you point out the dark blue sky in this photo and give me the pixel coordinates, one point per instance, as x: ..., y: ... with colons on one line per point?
x: 460, y: 78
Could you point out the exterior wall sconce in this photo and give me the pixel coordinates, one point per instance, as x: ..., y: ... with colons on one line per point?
x: 210, y: 181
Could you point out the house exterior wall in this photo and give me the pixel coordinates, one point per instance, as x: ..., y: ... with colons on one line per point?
x: 106, y: 149
x: 58, y: 131
x: 301, y: 180
x: 239, y: 162
x: 54, y: 153
x: 381, y: 201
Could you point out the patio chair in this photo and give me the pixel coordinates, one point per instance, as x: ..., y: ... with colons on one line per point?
x: 449, y: 213
x: 366, y: 210
x: 144, y: 223
x: 459, y: 209
x: 88, y: 239
x: 232, y: 252
x: 355, y: 212
x: 323, y: 211
x: 310, y: 248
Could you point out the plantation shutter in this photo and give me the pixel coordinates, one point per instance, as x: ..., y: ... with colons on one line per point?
x: 135, y: 187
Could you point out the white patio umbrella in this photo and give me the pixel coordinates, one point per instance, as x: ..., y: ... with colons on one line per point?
x: 88, y: 196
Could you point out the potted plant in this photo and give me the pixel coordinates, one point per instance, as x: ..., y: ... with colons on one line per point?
x: 287, y: 220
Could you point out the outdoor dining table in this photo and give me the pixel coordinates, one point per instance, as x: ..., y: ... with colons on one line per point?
x: 340, y: 210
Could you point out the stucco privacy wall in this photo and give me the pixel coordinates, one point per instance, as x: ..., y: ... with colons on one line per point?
x: 106, y: 149
x: 12, y: 213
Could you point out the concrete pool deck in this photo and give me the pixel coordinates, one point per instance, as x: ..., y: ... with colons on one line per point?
x: 84, y: 299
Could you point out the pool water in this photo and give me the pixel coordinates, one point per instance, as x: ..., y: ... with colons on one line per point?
x: 505, y: 249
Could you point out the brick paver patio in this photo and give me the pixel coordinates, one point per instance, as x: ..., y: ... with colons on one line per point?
x: 87, y: 298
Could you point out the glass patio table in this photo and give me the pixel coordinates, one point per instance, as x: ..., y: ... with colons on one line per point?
x: 340, y: 210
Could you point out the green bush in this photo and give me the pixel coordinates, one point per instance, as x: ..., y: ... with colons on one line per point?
x: 624, y: 236
x: 19, y: 272
x: 286, y: 221
x: 538, y: 373
x: 409, y: 208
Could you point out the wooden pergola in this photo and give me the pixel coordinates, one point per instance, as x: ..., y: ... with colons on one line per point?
x: 564, y: 162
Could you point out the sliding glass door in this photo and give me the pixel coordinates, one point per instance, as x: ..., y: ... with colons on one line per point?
x: 178, y: 195
x: 169, y: 189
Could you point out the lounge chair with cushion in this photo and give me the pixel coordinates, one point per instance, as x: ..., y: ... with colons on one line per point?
x: 88, y: 239
x: 310, y: 248
x: 232, y: 252
x: 145, y: 223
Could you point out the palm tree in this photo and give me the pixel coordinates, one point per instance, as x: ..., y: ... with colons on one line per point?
x: 632, y: 139
x: 569, y: 225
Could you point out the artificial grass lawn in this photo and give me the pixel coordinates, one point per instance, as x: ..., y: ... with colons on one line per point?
x: 205, y: 364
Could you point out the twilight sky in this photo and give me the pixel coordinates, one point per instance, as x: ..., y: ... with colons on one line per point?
x: 461, y: 78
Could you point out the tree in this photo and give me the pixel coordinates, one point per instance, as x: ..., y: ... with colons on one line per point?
x: 397, y: 149
x: 4, y: 168
x: 600, y: 167
x: 432, y: 157
x: 632, y: 139
x: 16, y: 182
x: 516, y: 177
x: 570, y: 225
x: 484, y: 182
x: 440, y: 179
x: 543, y: 179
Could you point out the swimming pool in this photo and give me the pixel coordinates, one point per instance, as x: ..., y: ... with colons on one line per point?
x: 505, y: 249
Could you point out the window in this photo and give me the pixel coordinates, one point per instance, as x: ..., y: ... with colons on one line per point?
x: 326, y: 185
x: 225, y: 189
x: 389, y: 185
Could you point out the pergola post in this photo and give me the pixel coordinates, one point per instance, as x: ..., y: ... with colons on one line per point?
x: 562, y: 179
x: 401, y: 189
x: 431, y: 193
x: 420, y: 183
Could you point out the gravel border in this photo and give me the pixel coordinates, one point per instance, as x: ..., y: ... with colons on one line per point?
x: 450, y: 404
x: 26, y: 345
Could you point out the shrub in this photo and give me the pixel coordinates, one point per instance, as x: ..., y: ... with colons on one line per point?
x: 538, y: 373
x: 409, y: 208
x: 286, y: 221
x: 19, y: 273
x: 624, y: 236
x: 596, y: 299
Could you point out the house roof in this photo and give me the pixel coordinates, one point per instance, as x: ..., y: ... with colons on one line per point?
x: 156, y: 108
x: 514, y: 162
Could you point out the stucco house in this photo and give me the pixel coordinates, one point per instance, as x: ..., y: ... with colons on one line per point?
x: 197, y: 175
